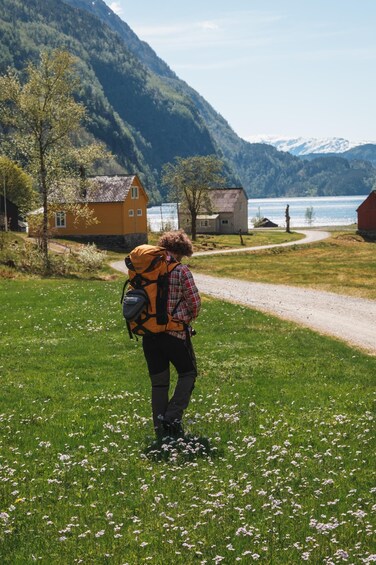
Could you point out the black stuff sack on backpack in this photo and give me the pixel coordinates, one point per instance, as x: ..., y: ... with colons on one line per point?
x: 134, y: 304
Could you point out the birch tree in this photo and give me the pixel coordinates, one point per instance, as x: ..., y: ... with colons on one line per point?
x: 40, y: 121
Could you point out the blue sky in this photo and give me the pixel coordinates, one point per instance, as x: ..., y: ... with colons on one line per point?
x: 277, y: 67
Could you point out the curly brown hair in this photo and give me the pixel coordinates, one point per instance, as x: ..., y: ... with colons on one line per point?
x: 177, y: 242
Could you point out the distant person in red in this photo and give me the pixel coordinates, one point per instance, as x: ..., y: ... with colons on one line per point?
x: 174, y: 346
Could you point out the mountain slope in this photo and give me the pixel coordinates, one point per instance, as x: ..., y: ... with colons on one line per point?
x: 228, y: 143
x: 366, y: 152
x: 269, y: 172
x: 139, y: 48
x: 141, y: 119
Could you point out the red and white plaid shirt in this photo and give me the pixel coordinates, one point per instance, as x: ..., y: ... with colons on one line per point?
x: 183, y: 297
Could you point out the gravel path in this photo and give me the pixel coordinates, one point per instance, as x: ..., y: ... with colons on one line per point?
x: 350, y: 319
x: 311, y: 236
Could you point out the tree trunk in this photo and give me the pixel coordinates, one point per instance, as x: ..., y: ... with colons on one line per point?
x: 45, y: 213
x: 194, y: 227
x: 287, y: 216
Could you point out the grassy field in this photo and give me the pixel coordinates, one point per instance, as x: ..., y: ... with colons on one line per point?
x: 283, y: 471
x: 345, y: 263
x: 230, y: 241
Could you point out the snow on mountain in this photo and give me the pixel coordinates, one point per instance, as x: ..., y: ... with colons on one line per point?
x: 305, y: 146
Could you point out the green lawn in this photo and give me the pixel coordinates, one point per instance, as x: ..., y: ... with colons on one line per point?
x: 287, y: 414
x: 209, y: 242
x: 230, y: 241
x: 345, y: 263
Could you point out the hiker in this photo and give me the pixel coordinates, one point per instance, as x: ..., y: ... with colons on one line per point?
x: 174, y: 347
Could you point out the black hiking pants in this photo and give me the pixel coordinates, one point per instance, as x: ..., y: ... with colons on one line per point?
x: 160, y: 350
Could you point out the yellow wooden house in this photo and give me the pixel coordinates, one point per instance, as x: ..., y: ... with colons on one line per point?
x: 118, y: 203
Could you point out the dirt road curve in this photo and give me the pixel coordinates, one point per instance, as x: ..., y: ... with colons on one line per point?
x: 311, y: 236
x: 350, y: 319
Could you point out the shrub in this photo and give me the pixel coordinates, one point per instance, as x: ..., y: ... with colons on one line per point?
x: 22, y: 257
x: 62, y: 264
x: 90, y: 258
x: 28, y: 258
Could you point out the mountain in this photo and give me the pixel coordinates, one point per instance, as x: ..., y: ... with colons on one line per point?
x: 143, y: 121
x: 276, y: 174
x: 139, y: 48
x: 228, y: 144
x: 306, y: 146
x: 146, y: 115
x: 366, y: 152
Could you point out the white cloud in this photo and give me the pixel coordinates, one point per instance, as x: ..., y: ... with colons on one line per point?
x: 116, y: 7
x: 208, y: 25
x: 248, y: 29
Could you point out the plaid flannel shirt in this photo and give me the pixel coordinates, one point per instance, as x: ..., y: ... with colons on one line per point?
x: 183, y: 297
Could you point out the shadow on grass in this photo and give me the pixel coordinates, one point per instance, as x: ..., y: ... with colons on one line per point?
x: 186, y: 448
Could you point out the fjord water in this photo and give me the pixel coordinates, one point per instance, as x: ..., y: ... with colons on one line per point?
x: 327, y: 211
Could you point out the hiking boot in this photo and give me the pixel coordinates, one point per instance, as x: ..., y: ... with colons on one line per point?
x: 173, y: 429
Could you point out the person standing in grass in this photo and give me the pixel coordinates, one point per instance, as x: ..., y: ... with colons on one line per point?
x: 174, y: 347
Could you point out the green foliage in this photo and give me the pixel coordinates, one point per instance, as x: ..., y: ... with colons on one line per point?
x: 309, y: 215
x: 42, y: 118
x: 26, y: 257
x: 22, y: 257
x: 287, y: 415
x: 190, y: 180
x: 91, y: 258
x: 18, y: 185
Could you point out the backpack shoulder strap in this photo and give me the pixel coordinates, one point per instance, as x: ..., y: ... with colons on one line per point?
x: 123, y: 292
x: 172, y: 264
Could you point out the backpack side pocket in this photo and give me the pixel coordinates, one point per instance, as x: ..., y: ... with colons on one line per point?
x: 135, y: 302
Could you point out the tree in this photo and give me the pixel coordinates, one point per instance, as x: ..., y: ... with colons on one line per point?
x: 310, y: 215
x: 190, y: 180
x: 18, y: 185
x: 41, y: 121
x: 288, y: 218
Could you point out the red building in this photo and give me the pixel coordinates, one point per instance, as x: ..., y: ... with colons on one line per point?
x: 367, y: 216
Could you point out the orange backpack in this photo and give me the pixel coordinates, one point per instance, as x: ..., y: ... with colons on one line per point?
x: 145, y: 303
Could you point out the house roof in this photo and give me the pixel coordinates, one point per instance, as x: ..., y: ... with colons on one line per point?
x: 109, y: 188
x: 368, y: 200
x: 224, y: 199
x: 208, y: 217
x: 9, y: 203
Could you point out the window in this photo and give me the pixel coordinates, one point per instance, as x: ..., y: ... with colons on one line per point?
x: 224, y: 222
x: 131, y: 213
x: 139, y: 212
x: 60, y: 220
x: 204, y: 223
x: 134, y: 193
